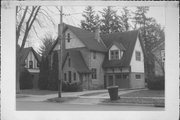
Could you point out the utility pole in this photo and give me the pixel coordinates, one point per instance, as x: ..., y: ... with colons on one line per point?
x: 60, y: 54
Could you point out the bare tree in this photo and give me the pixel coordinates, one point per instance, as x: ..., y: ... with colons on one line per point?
x: 28, y: 17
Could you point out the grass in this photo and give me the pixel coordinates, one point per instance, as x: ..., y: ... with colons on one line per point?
x: 156, y: 102
x: 62, y: 99
x: 145, y: 93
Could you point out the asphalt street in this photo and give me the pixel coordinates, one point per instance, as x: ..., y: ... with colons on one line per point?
x: 51, y: 106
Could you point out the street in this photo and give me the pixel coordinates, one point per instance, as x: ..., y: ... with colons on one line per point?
x: 51, y: 106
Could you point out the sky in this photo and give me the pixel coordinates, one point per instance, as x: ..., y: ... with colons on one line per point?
x: 73, y: 16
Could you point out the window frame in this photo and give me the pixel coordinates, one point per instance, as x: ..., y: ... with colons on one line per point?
x: 138, y: 55
x: 138, y: 76
x: 114, y: 54
x: 30, y: 64
x: 94, y: 73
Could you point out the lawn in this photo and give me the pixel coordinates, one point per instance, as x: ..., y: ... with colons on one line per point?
x: 153, y: 97
x: 145, y: 93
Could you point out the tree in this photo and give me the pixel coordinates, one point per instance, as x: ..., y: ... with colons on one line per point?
x: 27, y: 20
x: 125, y: 18
x: 150, y: 33
x: 110, y: 21
x: 44, y: 73
x: 23, y: 27
x: 91, y: 20
x: 47, y: 43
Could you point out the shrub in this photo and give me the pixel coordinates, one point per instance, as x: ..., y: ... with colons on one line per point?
x: 26, y: 79
x: 44, y: 73
x: 73, y: 87
x: 156, y: 83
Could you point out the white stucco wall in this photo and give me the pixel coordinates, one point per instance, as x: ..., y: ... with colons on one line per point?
x: 74, y: 41
x: 97, y: 63
x: 137, y: 66
x: 29, y: 58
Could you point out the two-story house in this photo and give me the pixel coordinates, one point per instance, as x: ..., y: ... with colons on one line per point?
x: 31, y: 61
x: 99, y: 61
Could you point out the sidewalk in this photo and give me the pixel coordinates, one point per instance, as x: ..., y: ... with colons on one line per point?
x: 88, y: 95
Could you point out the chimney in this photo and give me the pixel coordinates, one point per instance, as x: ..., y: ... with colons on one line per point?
x: 97, y: 33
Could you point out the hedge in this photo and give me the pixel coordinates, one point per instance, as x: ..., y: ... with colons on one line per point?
x: 71, y: 87
x: 26, y: 79
x: 156, y: 83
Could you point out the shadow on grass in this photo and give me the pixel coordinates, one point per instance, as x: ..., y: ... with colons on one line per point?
x: 61, y: 100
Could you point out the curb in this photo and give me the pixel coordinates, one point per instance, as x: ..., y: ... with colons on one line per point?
x: 127, y: 104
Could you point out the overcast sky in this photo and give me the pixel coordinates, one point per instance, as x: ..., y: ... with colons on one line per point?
x: 76, y: 16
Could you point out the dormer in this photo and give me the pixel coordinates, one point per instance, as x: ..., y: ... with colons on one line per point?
x: 116, y: 51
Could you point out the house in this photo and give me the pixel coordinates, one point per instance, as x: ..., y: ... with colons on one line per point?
x: 159, y: 59
x: 98, y: 61
x: 31, y: 61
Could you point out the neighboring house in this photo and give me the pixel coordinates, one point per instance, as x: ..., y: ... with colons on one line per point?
x: 31, y: 61
x: 159, y: 59
x: 99, y: 61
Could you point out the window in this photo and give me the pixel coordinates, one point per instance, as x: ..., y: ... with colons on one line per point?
x: 94, y: 73
x: 138, y: 56
x: 138, y: 76
x: 31, y: 64
x: 114, y: 54
x: 65, y: 77
x: 69, y: 76
x: 125, y: 76
x: 69, y: 62
x: 94, y: 55
x: 162, y: 56
x: 74, y: 76
x: 68, y: 37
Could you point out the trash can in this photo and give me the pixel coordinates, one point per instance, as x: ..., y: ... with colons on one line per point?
x: 113, y: 92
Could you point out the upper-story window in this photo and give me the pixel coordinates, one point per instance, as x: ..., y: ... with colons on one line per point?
x: 68, y: 37
x: 138, y: 56
x: 114, y: 54
x: 162, y: 56
x: 94, y: 55
x: 30, y: 64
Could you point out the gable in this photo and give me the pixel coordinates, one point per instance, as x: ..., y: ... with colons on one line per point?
x: 128, y: 40
x: 137, y: 66
x: 114, y: 47
x: 74, y: 42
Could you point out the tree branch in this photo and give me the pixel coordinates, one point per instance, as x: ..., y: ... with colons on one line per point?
x: 20, y: 24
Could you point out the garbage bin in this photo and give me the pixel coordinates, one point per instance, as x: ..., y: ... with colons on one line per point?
x: 113, y: 92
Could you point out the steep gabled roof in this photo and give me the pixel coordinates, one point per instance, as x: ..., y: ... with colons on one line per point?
x: 128, y: 40
x: 86, y: 37
x: 77, y: 60
x: 25, y: 53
